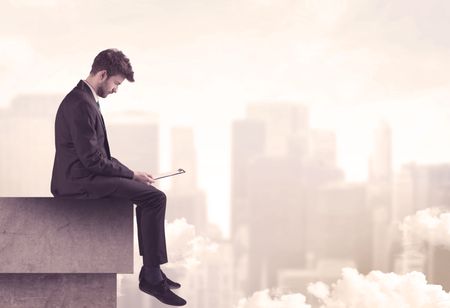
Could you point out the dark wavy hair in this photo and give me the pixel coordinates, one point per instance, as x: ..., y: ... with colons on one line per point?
x: 114, y: 62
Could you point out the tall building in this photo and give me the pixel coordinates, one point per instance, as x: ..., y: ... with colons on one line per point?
x: 380, y: 195
x: 421, y: 186
x: 339, y: 225
x: 283, y: 122
x: 418, y: 187
x: 411, y: 190
x: 412, y: 256
x: 27, y: 145
x: 184, y: 155
x: 185, y: 198
x: 438, y: 259
x: 278, y: 162
x: 247, y: 145
x: 278, y: 201
x: 134, y: 139
x: 323, y: 148
x: 380, y: 164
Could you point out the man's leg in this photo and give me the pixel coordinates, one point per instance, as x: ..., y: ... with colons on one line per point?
x: 150, y: 215
x: 139, y: 230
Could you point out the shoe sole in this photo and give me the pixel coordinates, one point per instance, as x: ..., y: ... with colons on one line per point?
x: 149, y: 293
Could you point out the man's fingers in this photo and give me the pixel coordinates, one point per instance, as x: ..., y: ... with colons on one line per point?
x: 144, y: 177
x: 150, y: 180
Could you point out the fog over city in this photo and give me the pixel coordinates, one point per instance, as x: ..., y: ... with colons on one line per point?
x: 315, y: 135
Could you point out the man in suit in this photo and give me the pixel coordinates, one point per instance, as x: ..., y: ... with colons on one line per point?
x: 84, y: 168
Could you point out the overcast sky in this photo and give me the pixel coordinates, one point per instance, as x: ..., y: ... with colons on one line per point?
x: 200, y: 62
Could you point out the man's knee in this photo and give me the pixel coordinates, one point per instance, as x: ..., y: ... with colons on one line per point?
x: 156, y: 198
x: 162, y: 197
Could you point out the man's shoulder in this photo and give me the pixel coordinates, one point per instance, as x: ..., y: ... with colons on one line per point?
x: 77, y: 98
x: 77, y: 95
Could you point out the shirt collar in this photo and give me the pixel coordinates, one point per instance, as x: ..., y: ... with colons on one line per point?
x: 93, y: 92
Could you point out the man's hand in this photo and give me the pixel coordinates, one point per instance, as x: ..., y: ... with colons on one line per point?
x: 143, y: 177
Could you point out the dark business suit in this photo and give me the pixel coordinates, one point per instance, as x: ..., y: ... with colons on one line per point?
x: 84, y: 168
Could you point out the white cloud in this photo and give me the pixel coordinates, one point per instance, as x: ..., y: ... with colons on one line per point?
x: 355, y: 290
x: 319, y: 289
x: 430, y: 225
x: 383, y: 290
x: 184, y: 247
x: 264, y: 299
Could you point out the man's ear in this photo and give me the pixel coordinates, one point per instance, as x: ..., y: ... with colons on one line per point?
x: 103, y: 74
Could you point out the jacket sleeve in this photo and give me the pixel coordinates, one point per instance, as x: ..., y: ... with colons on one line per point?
x: 116, y: 161
x: 81, y: 124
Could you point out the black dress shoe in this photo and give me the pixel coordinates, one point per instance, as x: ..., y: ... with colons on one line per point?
x: 162, y: 292
x: 172, y: 284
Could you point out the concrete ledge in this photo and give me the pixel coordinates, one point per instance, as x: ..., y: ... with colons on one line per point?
x: 57, y: 290
x: 52, y: 235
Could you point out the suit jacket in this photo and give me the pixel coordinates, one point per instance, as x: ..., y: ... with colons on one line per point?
x: 83, y: 166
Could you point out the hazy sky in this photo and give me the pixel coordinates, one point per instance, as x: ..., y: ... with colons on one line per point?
x: 200, y: 62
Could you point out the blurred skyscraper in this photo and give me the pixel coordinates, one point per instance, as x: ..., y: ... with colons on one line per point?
x: 411, y: 186
x: 438, y: 259
x: 277, y: 163
x: 339, y: 225
x: 209, y: 284
x: 27, y: 145
x: 248, y: 143
x: 323, y: 149
x: 134, y: 139
x: 421, y: 186
x: 380, y: 195
x: 412, y: 256
x: 283, y: 123
x: 418, y: 187
x: 184, y: 155
x: 380, y: 164
x: 185, y: 198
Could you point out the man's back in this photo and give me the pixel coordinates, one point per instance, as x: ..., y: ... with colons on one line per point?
x: 82, y: 150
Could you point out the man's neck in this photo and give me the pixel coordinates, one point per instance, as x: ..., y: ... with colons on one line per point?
x: 90, y: 83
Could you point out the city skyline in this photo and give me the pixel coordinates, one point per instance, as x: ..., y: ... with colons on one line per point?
x: 315, y: 135
x: 273, y: 148
x: 219, y: 194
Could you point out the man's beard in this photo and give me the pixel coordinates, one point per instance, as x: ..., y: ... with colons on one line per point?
x: 101, y: 91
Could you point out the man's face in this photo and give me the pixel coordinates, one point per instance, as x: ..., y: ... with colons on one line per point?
x: 109, y: 85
